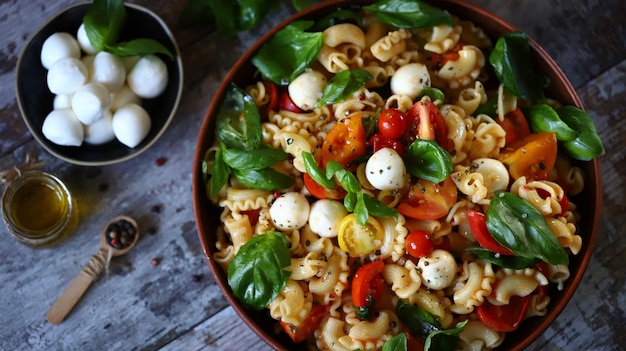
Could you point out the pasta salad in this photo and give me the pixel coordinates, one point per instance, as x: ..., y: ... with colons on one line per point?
x: 395, y: 178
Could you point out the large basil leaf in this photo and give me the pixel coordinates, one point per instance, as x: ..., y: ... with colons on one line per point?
x: 543, y: 118
x: 587, y: 145
x: 506, y: 261
x: 253, y: 159
x: 419, y: 321
x: 409, y: 14
x: 234, y: 131
x: 219, y: 173
x: 347, y: 180
x: 342, y: 85
x: 288, y: 53
x: 515, y: 224
x: 257, y: 273
x: 263, y: 179
x: 443, y: 340
x: 103, y: 22
x: 397, y: 343
x: 376, y: 208
x: 512, y: 62
x: 140, y: 46
x: 427, y: 160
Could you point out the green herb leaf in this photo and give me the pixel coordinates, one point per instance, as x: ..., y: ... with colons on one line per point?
x: 103, y: 22
x: 489, y: 108
x: 427, y: 160
x: 515, y: 224
x: 288, y: 53
x: 336, y: 17
x: 419, y: 321
x: 543, y: 118
x: 263, y: 179
x: 253, y: 159
x: 366, y: 313
x: 347, y: 180
x: 342, y: 85
x: 397, y: 343
x: 587, y: 145
x: 444, y: 340
x: 139, y: 47
x: 376, y: 208
x: 219, y: 173
x: 433, y: 93
x: 512, y: 62
x: 316, y: 173
x: 409, y: 14
x: 238, y: 121
x: 257, y: 273
x: 506, y: 261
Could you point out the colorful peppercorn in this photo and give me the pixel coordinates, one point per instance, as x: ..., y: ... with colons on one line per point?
x: 120, y: 234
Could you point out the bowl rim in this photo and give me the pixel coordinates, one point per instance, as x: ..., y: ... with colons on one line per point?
x: 136, y: 152
x: 202, y: 205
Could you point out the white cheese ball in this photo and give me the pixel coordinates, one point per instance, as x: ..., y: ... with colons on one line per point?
x: 131, y: 124
x: 437, y: 270
x: 385, y: 170
x: 62, y: 101
x: 66, y: 75
x: 100, y: 131
x: 290, y: 211
x: 90, y: 102
x: 83, y: 40
x: 325, y: 217
x: 495, y: 174
x: 306, y: 90
x: 108, y: 70
x: 148, y: 78
x: 124, y: 96
x: 63, y: 128
x: 58, y: 46
x: 410, y: 79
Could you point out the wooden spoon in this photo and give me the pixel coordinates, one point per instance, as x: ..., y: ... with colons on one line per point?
x: 64, y: 304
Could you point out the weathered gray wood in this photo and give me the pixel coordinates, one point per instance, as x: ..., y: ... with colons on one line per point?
x: 176, y: 305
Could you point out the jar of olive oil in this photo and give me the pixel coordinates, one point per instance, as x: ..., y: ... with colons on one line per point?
x: 38, y: 209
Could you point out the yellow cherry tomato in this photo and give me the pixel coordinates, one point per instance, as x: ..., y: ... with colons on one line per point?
x: 358, y: 240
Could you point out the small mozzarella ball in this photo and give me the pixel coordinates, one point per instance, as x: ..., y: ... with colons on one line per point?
x: 325, y: 217
x: 410, y: 79
x: 108, y: 70
x: 148, y: 78
x: 100, y: 131
x: 124, y: 96
x: 306, y: 90
x: 58, y: 46
x: 495, y: 174
x: 385, y: 170
x: 63, y: 128
x: 66, y: 75
x: 290, y: 211
x: 62, y: 101
x: 90, y: 102
x: 438, y: 269
x: 131, y: 124
x: 83, y: 40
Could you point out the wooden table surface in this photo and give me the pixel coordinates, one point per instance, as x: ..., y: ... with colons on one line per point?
x: 176, y: 304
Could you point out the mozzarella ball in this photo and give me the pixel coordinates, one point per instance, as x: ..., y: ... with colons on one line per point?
x: 90, y: 102
x: 385, y: 170
x: 131, y: 124
x: 83, y: 40
x: 437, y: 270
x: 410, y: 79
x: 62, y: 101
x: 58, y: 46
x: 108, y: 70
x: 290, y: 211
x: 325, y: 217
x: 124, y: 96
x: 306, y: 90
x: 148, y: 78
x: 63, y: 128
x: 66, y: 75
x: 100, y: 131
x: 495, y: 174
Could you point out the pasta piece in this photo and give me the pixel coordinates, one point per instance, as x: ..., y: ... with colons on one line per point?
x: 547, y: 205
x: 475, y: 336
x: 465, y: 69
x: 565, y: 233
x: 404, y: 280
x: 470, y: 99
x: 295, y: 144
x: 443, y: 38
x: 394, y: 43
x: 471, y: 288
x: 291, y: 305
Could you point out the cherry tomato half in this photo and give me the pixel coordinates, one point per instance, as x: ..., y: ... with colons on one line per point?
x: 564, y: 202
x: 287, y: 104
x: 478, y: 225
x: 368, y: 285
x: 392, y: 123
x: 308, y: 326
x: 505, y: 318
x: 320, y: 192
x: 515, y: 126
x: 532, y: 157
x: 426, y: 122
x: 419, y: 244
x: 426, y: 200
x: 345, y: 142
x: 378, y: 141
x: 358, y: 240
x: 272, y: 92
x: 439, y: 60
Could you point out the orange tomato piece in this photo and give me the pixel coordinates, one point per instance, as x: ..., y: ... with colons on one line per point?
x: 345, y: 142
x: 533, y: 156
x: 426, y: 200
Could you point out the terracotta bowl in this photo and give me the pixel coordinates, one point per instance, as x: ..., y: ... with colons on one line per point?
x: 588, y: 202
x: 35, y: 99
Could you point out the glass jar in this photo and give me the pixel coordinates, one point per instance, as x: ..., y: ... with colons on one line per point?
x: 38, y: 209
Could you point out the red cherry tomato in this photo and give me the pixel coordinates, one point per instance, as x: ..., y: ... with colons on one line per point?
x: 419, y: 244
x: 413, y: 343
x: 515, y: 126
x: 368, y: 284
x: 426, y: 200
x: 426, y: 122
x: 320, y: 192
x: 345, y: 142
x: 532, y: 157
x: 505, y: 318
x: 287, y: 104
x: 392, y: 123
x: 308, y: 326
x: 439, y: 60
x: 272, y: 91
x: 377, y: 142
x: 543, y: 268
x: 478, y: 225
x: 253, y: 216
x: 564, y: 202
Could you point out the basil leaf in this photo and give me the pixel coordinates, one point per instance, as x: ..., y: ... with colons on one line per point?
x: 543, y: 118
x: 587, y: 145
x: 253, y: 159
x: 427, y: 160
x: 376, y: 208
x: 409, y: 14
x: 342, y: 85
x: 288, y: 53
x: 506, y: 261
x: 349, y: 201
x: 220, y: 173
x: 512, y: 62
x: 257, y: 273
x: 103, y: 22
x: 444, y: 340
x: 263, y: 179
x: 347, y: 180
x: 360, y: 210
x: 419, y: 321
x: 316, y: 173
x: 489, y: 108
x: 139, y: 47
x: 397, y: 343
x: 234, y: 131
x: 433, y: 93
x: 515, y: 224
x: 336, y: 17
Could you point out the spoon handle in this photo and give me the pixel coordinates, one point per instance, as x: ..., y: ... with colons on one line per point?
x: 64, y: 304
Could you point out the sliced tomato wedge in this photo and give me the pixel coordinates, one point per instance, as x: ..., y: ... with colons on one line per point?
x: 515, y: 126
x: 358, y: 240
x: 367, y: 288
x: 306, y: 329
x: 378, y: 141
x: 345, y: 142
x: 532, y: 157
x: 426, y: 200
x: 478, y: 225
x: 285, y: 103
x: 426, y: 122
x: 505, y: 318
x: 320, y: 192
